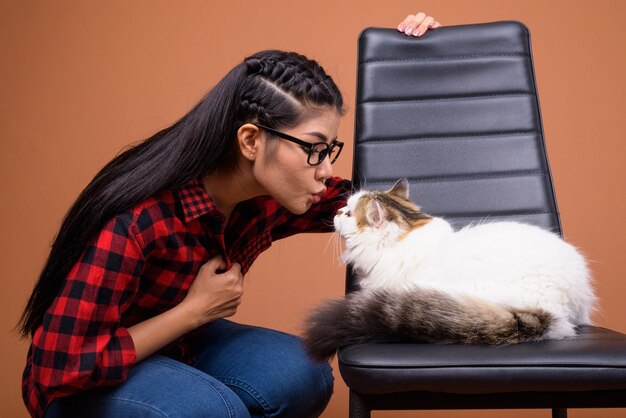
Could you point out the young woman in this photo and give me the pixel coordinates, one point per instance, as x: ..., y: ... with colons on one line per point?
x: 127, y: 318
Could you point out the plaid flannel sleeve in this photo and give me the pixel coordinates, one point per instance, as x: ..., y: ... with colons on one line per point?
x: 81, y: 344
x: 319, y: 218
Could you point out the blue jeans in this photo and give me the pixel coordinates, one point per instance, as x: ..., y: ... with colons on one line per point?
x: 240, y: 371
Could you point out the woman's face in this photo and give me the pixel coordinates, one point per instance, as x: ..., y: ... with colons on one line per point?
x: 283, y: 172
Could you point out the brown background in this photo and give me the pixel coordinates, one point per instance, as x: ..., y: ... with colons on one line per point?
x: 79, y: 80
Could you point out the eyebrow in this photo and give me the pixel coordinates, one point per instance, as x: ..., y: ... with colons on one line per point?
x: 319, y: 135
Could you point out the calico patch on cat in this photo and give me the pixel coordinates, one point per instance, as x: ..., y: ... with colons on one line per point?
x: 490, y: 283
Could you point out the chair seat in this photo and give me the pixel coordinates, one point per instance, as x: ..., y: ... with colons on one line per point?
x: 594, y: 359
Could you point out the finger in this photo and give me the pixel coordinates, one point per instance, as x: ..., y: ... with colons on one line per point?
x: 215, y: 264
x: 405, y: 22
x: 435, y: 25
x: 414, y: 23
x: 231, y: 308
x: 238, y: 289
x: 423, y: 27
x: 227, y: 312
x: 235, y: 271
x: 235, y: 268
x: 419, y: 17
x: 231, y: 304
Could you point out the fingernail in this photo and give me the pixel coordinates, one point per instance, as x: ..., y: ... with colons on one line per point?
x: 417, y: 32
x: 408, y: 31
x: 401, y: 28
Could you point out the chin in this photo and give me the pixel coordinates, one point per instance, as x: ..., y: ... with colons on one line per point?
x: 299, y: 209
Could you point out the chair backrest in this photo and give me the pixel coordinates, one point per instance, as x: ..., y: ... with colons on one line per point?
x: 457, y: 113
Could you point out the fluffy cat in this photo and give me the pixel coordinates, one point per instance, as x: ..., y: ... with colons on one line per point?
x: 492, y: 283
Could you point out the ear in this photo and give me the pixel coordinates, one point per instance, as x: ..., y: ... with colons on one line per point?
x: 376, y: 214
x: 248, y: 139
x: 400, y: 189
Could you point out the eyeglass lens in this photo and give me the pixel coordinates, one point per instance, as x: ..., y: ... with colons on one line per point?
x: 318, y: 153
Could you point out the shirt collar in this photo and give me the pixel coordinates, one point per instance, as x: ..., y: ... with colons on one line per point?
x: 195, y: 200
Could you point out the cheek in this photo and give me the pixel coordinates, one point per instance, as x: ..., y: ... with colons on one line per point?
x: 337, y: 223
x: 275, y: 173
x: 344, y: 225
x: 287, y: 169
x: 287, y: 178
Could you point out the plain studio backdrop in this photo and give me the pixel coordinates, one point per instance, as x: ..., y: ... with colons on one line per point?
x: 80, y: 80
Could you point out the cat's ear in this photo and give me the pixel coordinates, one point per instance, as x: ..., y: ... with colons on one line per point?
x: 376, y: 214
x: 400, y: 189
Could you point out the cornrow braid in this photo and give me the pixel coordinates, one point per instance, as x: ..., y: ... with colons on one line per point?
x: 249, y: 107
x: 280, y: 85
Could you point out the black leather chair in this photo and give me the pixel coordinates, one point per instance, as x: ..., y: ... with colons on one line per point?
x: 457, y: 113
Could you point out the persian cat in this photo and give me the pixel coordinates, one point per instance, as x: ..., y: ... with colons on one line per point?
x: 420, y: 280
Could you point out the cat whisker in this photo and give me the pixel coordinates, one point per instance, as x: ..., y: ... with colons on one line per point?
x: 328, y: 222
x: 338, y: 252
x: 335, y: 241
x: 330, y: 241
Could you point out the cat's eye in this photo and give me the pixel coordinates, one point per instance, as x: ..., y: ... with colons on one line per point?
x: 348, y: 213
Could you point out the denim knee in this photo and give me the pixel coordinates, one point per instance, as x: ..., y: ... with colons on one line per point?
x: 269, y: 370
x: 291, y: 384
x: 156, y: 388
x: 192, y: 393
x: 303, y: 394
x: 311, y: 389
x: 322, y: 390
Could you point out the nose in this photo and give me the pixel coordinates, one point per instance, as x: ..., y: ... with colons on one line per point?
x: 324, y: 170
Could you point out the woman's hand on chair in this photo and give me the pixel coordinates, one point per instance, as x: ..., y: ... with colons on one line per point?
x: 418, y: 24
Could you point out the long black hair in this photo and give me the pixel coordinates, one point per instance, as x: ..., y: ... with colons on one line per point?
x: 273, y: 88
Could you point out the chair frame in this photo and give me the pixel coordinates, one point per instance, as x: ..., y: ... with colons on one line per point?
x: 361, y: 404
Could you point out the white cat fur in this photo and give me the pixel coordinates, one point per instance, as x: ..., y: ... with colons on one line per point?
x: 507, y: 263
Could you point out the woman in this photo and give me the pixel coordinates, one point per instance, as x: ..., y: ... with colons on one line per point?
x: 127, y: 317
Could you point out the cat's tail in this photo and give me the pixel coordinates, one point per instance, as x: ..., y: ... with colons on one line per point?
x: 419, y: 315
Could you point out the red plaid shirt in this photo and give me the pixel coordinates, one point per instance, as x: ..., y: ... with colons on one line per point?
x: 139, y: 265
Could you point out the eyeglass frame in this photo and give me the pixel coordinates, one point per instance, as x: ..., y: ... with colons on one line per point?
x: 309, y: 145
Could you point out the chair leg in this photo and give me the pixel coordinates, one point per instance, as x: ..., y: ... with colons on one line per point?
x: 358, y: 407
x: 559, y: 413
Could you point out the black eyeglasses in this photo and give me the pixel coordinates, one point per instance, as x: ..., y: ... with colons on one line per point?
x: 317, y: 151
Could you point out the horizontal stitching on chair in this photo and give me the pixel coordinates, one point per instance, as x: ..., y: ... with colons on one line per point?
x: 449, y: 57
x: 434, y: 137
x: 520, y: 173
x: 459, y: 97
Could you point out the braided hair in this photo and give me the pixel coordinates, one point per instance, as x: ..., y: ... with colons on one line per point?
x: 280, y: 90
x: 277, y: 73
x: 274, y: 88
